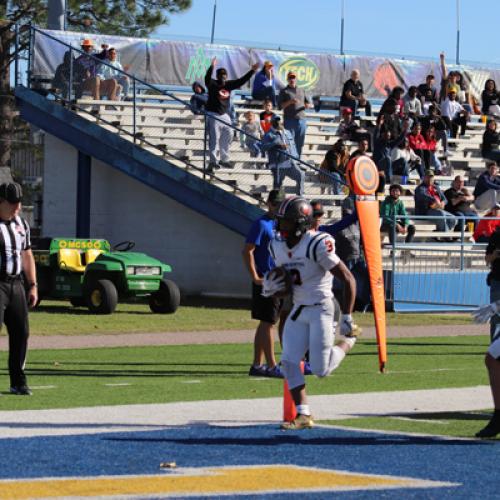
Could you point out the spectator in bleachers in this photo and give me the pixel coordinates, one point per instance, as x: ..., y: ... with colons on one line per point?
x: 114, y: 73
x: 199, y: 99
x: 293, y: 101
x: 434, y: 119
x: 487, y: 190
x: 391, y: 119
x: 486, y: 227
x: 62, y: 77
x: 460, y: 201
x: 394, y: 217
x: 266, y: 116
x: 353, y: 95
x: 418, y: 144
x: 431, y: 156
x: 334, y: 164
x: 490, y: 99
x: 349, y: 128
x: 448, y: 80
x: 363, y: 149
x: 491, y: 141
x: 383, y: 143
x: 89, y: 68
x: 218, y: 112
x: 430, y: 200
x: 251, y: 137
x: 454, y: 114
x: 404, y: 160
x: 265, y: 84
x: 277, y: 142
x: 463, y: 96
x: 397, y: 94
x: 412, y: 105
x: 427, y: 93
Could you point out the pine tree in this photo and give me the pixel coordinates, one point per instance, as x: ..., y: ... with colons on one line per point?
x: 113, y: 17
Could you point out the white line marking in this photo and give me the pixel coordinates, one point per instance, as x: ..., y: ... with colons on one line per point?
x: 190, y: 381
x: 117, y: 385
x: 43, y: 387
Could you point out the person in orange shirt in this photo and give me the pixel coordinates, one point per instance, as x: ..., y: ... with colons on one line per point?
x: 486, y: 227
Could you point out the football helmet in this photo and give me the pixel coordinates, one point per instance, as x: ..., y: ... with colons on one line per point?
x: 294, y: 217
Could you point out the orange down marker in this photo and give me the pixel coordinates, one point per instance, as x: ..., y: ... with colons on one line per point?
x: 363, y: 179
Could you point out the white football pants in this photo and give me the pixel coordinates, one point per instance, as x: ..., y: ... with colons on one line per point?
x: 312, y: 329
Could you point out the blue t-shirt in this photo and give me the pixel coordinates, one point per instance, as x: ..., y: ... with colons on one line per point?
x: 260, y: 234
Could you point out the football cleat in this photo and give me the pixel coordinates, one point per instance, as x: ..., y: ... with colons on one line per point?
x: 491, y: 430
x: 274, y: 372
x: 300, y: 422
x: 21, y: 390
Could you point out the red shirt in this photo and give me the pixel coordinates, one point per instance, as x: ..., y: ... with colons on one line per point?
x: 485, y: 228
x: 417, y: 141
x: 434, y: 193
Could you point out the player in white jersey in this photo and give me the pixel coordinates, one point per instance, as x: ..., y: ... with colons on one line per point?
x: 310, y: 259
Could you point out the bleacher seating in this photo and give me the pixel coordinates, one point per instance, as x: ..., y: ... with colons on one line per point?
x: 167, y: 127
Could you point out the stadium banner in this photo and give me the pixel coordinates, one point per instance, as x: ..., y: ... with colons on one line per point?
x: 180, y: 63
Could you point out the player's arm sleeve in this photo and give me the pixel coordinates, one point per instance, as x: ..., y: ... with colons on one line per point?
x: 323, y: 252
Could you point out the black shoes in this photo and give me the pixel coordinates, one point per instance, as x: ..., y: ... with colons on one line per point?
x: 491, y: 430
x: 21, y: 390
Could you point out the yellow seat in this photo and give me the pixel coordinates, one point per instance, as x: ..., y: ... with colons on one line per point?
x: 70, y: 260
x: 91, y: 255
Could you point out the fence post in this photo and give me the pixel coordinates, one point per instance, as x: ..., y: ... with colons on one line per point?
x: 462, y: 242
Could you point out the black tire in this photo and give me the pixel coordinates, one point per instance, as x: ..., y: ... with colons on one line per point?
x: 101, y: 297
x: 78, y: 301
x: 167, y: 299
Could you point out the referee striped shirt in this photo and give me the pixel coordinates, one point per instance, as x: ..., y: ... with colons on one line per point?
x: 14, y: 238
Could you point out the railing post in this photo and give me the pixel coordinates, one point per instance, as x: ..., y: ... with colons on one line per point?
x: 205, y: 135
x: 30, y: 53
x: 462, y: 238
x: 71, y: 79
x: 16, y: 60
x: 134, y: 110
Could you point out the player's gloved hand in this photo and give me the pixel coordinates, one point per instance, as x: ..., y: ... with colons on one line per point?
x: 484, y: 313
x: 272, y: 285
x: 348, y: 328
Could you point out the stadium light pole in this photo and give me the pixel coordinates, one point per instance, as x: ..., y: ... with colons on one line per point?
x: 342, y: 11
x: 213, y: 22
x: 458, y: 33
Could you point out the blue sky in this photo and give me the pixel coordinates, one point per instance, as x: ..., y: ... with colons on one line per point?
x: 421, y: 28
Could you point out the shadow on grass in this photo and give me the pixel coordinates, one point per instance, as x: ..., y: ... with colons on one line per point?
x: 82, y: 311
x: 445, y: 415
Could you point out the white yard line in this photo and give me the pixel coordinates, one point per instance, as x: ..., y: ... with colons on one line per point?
x: 94, y: 420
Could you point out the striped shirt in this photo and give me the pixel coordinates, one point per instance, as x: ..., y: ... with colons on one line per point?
x: 14, y: 238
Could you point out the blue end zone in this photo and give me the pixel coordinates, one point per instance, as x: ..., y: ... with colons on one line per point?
x: 473, y: 464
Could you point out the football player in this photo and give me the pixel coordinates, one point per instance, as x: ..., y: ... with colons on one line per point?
x: 310, y: 260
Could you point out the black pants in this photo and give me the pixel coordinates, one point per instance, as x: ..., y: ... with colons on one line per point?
x: 14, y: 313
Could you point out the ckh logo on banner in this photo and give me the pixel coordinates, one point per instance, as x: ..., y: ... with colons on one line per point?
x: 307, y: 72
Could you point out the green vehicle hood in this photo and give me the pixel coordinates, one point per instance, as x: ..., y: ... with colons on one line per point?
x: 117, y: 261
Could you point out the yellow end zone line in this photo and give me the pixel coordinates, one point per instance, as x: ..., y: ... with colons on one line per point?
x: 211, y: 481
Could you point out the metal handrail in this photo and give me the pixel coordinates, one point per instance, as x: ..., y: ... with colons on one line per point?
x: 157, y: 90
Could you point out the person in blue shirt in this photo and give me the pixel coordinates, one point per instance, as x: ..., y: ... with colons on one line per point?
x: 266, y: 310
x: 487, y: 190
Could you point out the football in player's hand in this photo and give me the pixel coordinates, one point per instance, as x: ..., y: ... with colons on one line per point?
x: 279, y: 274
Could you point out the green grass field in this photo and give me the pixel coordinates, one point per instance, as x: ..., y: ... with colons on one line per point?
x: 58, y: 317
x: 73, y: 378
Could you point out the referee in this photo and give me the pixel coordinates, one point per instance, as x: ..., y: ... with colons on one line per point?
x: 16, y: 258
